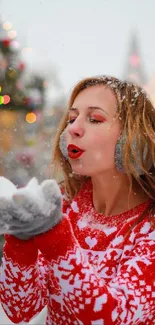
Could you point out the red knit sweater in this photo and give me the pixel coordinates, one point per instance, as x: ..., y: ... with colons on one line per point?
x: 86, y: 270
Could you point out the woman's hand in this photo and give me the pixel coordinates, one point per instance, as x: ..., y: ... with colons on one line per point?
x: 31, y: 210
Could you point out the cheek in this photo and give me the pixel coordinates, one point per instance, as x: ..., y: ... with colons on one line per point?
x: 107, y: 141
x: 104, y: 146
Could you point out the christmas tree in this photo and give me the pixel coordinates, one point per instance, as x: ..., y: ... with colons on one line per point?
x: 15, y: 94
x: 12, y: 94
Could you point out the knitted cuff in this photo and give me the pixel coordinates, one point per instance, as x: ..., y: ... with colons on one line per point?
x: 23, y: 252
x: 57, y: 241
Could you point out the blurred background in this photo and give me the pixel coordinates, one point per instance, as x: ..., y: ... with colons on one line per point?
x: 46, y: 46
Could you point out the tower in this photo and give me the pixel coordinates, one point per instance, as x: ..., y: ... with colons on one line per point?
x: 134, y: 70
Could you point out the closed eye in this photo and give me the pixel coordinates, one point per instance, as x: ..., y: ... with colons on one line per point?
x: 92, y: 120
x: 71, y: 121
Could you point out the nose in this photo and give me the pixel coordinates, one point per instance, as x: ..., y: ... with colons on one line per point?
x: 75, y: 129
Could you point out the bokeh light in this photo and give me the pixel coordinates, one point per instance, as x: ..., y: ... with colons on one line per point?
x: 14, y: 45
x: 7, y: 25
x: 6, y: 99
x: 12, y: 34
x: 1, y: 100
x: 31, y: 118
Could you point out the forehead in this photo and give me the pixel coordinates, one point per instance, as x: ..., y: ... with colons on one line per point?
x: 98, y: 95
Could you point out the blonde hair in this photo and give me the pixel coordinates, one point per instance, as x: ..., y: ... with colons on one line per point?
x: 137, y: 118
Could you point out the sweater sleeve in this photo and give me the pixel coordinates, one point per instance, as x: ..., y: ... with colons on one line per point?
x: 129, y: 298
x: 23, y: 280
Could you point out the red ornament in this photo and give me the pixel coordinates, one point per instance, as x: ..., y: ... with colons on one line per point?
x: 25, y: 158
x: 6, y: 42
x: 21, y: 66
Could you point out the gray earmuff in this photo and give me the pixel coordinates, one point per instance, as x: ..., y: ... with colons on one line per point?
x: 118, y: 155
x: 63, y: 144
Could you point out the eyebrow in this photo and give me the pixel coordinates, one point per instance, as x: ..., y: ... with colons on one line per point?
x: 90, y: 108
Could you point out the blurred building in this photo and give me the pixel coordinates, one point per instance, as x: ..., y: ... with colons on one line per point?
x: 134, y: 69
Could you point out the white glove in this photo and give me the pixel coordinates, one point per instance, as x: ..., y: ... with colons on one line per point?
x: 31, y: 210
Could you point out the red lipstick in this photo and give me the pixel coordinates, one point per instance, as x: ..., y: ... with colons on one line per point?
x: 74, y: 152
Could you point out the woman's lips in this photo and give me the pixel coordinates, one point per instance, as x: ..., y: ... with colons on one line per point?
x: 74, y: 152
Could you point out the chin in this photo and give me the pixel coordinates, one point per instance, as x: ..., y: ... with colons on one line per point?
x: 81, y: 172
x: 79, y: 168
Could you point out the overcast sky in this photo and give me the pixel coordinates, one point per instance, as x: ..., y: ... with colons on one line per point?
x: 82, y: 37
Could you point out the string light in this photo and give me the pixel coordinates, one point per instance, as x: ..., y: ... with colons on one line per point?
x: 31, y: 118
x: 1, y: 100
x: 4, y: 99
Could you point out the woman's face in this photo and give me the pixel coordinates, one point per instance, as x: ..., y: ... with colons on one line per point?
x: 94, y: 128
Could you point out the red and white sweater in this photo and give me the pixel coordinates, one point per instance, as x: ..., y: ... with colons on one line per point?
x: 86, y: 270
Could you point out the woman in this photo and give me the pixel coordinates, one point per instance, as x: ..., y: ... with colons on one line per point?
x: 96, y: 262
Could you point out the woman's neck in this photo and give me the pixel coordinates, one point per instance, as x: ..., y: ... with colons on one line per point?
x: 112, y: 194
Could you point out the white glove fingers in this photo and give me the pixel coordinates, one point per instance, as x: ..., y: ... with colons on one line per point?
x: 53, y: 197
x: 51, y: 189
x: 7, y: 210
x: 29, y: 206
